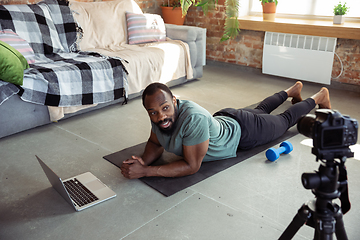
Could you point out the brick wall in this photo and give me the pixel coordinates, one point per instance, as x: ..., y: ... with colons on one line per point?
x: 246, y: 49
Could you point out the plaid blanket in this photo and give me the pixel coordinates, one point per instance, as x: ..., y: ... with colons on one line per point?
x: 61, y: 75
x: 6, y: 91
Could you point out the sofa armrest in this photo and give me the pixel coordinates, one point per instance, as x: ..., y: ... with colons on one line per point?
x: 195, y: 37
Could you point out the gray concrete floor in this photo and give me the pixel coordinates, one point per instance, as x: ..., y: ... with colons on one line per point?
x: 254, y: 199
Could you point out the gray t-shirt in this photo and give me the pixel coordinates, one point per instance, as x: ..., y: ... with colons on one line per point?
x: 196, y: 125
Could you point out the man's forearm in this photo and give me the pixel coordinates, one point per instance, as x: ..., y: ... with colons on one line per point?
x: 193, y: 157
x: 174, y: 169
x: 151, y: 153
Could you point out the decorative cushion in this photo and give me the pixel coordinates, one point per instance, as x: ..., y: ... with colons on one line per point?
x: 12, y: 64
x: 14, y: 40
x: 145, y: 28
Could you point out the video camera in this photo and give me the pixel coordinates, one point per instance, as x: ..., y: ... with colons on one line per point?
x: 332, y: 133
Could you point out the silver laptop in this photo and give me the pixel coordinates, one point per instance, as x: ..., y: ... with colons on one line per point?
x: 81, y: 191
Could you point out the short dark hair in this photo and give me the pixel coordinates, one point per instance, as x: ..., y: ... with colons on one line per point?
x: 153, y: 88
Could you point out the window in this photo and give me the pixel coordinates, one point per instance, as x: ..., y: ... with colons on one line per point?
x: 306, y: 9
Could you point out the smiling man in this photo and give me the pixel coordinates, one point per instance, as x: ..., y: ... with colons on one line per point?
x: 188, y: 130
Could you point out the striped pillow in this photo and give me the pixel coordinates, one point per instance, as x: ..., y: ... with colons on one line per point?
x: 145, y: 28
x: 11, y: 38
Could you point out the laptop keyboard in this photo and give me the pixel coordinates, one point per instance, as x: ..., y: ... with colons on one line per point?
x: 79, y: 193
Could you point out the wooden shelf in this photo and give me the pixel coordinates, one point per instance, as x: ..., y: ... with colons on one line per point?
x: 348, y: 30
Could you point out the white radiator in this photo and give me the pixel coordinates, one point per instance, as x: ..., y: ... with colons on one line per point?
x: 303, y: 57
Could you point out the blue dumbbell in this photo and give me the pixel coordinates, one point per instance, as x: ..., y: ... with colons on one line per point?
x: 272, y: 153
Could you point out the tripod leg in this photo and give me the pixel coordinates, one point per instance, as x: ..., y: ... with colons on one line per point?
x: 298, y: 221
x: 340, y: 227
x: 325, y: 228
x: 328, y: 225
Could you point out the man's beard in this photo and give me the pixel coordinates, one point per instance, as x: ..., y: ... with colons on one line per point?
x: 173, y: 123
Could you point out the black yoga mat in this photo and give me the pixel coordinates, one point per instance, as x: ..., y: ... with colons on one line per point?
x: 169, y: 186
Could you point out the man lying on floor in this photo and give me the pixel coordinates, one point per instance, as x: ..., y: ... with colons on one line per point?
x: 188, y: 130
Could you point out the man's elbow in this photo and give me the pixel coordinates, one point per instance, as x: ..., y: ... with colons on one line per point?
x: 194, y: 169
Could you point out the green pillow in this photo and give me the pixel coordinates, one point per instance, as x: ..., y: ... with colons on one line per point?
x: 12, y: 64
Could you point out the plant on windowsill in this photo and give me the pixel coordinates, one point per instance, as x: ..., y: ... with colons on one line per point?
x: 339, y: 11
x: 231, y: 25
x: 172, y: 13
x: 269, y: 9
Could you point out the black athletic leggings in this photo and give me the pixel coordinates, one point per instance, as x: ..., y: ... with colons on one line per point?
x: 259, y: 127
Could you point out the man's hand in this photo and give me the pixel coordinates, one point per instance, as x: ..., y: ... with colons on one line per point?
x: 133, y: 168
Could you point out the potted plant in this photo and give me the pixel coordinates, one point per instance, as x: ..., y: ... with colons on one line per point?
x: 231, y: 26
x: 339, y: 12
x: 172, y: 13
x: 269, y: 9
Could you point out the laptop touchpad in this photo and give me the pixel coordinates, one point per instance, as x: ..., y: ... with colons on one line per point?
x: 95, y: 185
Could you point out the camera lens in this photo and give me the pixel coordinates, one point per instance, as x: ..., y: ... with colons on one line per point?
x: 306, y: 124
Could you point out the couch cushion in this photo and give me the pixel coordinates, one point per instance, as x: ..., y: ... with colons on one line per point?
x: 12, y: 64
x: 14, y: 40
x: 109, y: 29
x: 145, y: 28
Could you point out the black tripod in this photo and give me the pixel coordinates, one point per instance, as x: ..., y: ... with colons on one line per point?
x: 322, y: 214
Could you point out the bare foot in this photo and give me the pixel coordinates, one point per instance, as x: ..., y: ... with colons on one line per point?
x: 295, y: 92
x: 322, y: 98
